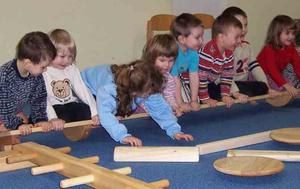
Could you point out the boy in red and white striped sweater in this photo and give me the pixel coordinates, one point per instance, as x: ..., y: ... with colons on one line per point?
x: 216, y: 68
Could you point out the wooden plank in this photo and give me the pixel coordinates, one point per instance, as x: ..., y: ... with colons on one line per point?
x: 232, y: 143
x: 293, y: 156
x: 156, y: 154
x: 73, y: 167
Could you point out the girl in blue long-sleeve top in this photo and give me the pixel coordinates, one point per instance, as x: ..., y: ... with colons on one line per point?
x: 119, y: 89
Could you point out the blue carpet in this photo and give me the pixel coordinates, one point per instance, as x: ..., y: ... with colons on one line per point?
x: 206, y: 125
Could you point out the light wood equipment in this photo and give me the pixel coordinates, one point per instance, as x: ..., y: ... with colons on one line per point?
x: 286, y: 135
x: 185, y: 154
x: 248, y: 166
x: 291, y: 156
x: 162, y: 22
x: 43, y: 159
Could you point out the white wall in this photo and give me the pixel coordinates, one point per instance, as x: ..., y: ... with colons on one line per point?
x: 105, y: 31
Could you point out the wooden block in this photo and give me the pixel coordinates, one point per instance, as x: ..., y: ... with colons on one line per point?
x: 248, y: 166
x: 232, y: 143
x: 279, y: 155
x: 156, y: 154
x: 74, y: 167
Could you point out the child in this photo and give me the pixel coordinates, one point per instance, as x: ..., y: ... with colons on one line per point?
x: 120, y: 88
x: 188, y: 33
x: 245, y: 65
x: 161, y: 51
x: 216, y: 61
x: 278, y: 52
x: 22, y: 83
x: 63, y: 82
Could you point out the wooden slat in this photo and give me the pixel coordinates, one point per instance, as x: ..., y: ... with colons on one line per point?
x: 232, y: 143
x: 293, y: 156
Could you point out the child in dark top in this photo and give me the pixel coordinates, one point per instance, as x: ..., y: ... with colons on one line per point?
x: 21, y: 83
x: 278, y: 52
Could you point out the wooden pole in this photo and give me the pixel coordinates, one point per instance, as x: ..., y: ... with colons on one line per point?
x: 47, y: 169
x: 293, y: 156
x: 87, y: 179
x: 39, y: 129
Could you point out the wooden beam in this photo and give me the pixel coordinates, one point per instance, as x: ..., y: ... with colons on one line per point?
x: 232, y: 143
x: 293, y: 156
x: 156, y: 154
x: 73, y: 167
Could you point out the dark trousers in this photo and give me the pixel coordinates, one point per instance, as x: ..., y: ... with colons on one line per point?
x: 252, y: 88
x: 73, y: 111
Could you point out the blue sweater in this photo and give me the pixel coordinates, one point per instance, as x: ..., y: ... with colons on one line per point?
x: 100, y: 81
x: 16, y: 91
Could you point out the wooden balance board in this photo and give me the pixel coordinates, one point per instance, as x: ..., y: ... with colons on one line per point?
x: 280, y: 101
x: 77, y: 133
x: 286, y: 135
x: 248, y: 166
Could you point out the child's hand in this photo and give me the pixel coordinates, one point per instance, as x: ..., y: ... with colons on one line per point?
x: 46, y: 126
x: 177, y: 111
x: 195, y: 106
x: 241, y: 97
x: 291, y: 90
x: 57, y: 124
x: 273, y: 93
x: 25, y: 129
x: 180, y: 136
x: 210, y: 102
x: 228, y: 101
x: 185, y: 107
x: 95, y: 120
x: 133, y: 141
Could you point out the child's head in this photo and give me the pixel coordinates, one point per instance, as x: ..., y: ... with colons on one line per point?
x: 36, y: 51
x: 66, y: 48
x: 161, y: 51
x: 240, y: 15
x: 188, y: 31
x: 227, y: 31
x: 137, y: 79
x: 281, y: 32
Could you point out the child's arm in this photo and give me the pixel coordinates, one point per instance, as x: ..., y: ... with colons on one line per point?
x: 161, y: 112
x: 38, y: 100
x: 226, y: 79
x: 107, y: 106
x: 194, y: 85
x: 83, y: 92
x: 203, y: 89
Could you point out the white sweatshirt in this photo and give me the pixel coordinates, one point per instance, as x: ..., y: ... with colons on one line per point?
x: 65, y: 86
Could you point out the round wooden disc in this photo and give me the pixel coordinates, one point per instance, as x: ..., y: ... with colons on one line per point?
x: 77, y: 133
x: 248, y: 166
x: 286, y: 135
x: 279, y: 101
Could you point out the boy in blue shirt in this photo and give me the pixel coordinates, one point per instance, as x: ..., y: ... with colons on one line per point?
x: 188, y: 32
